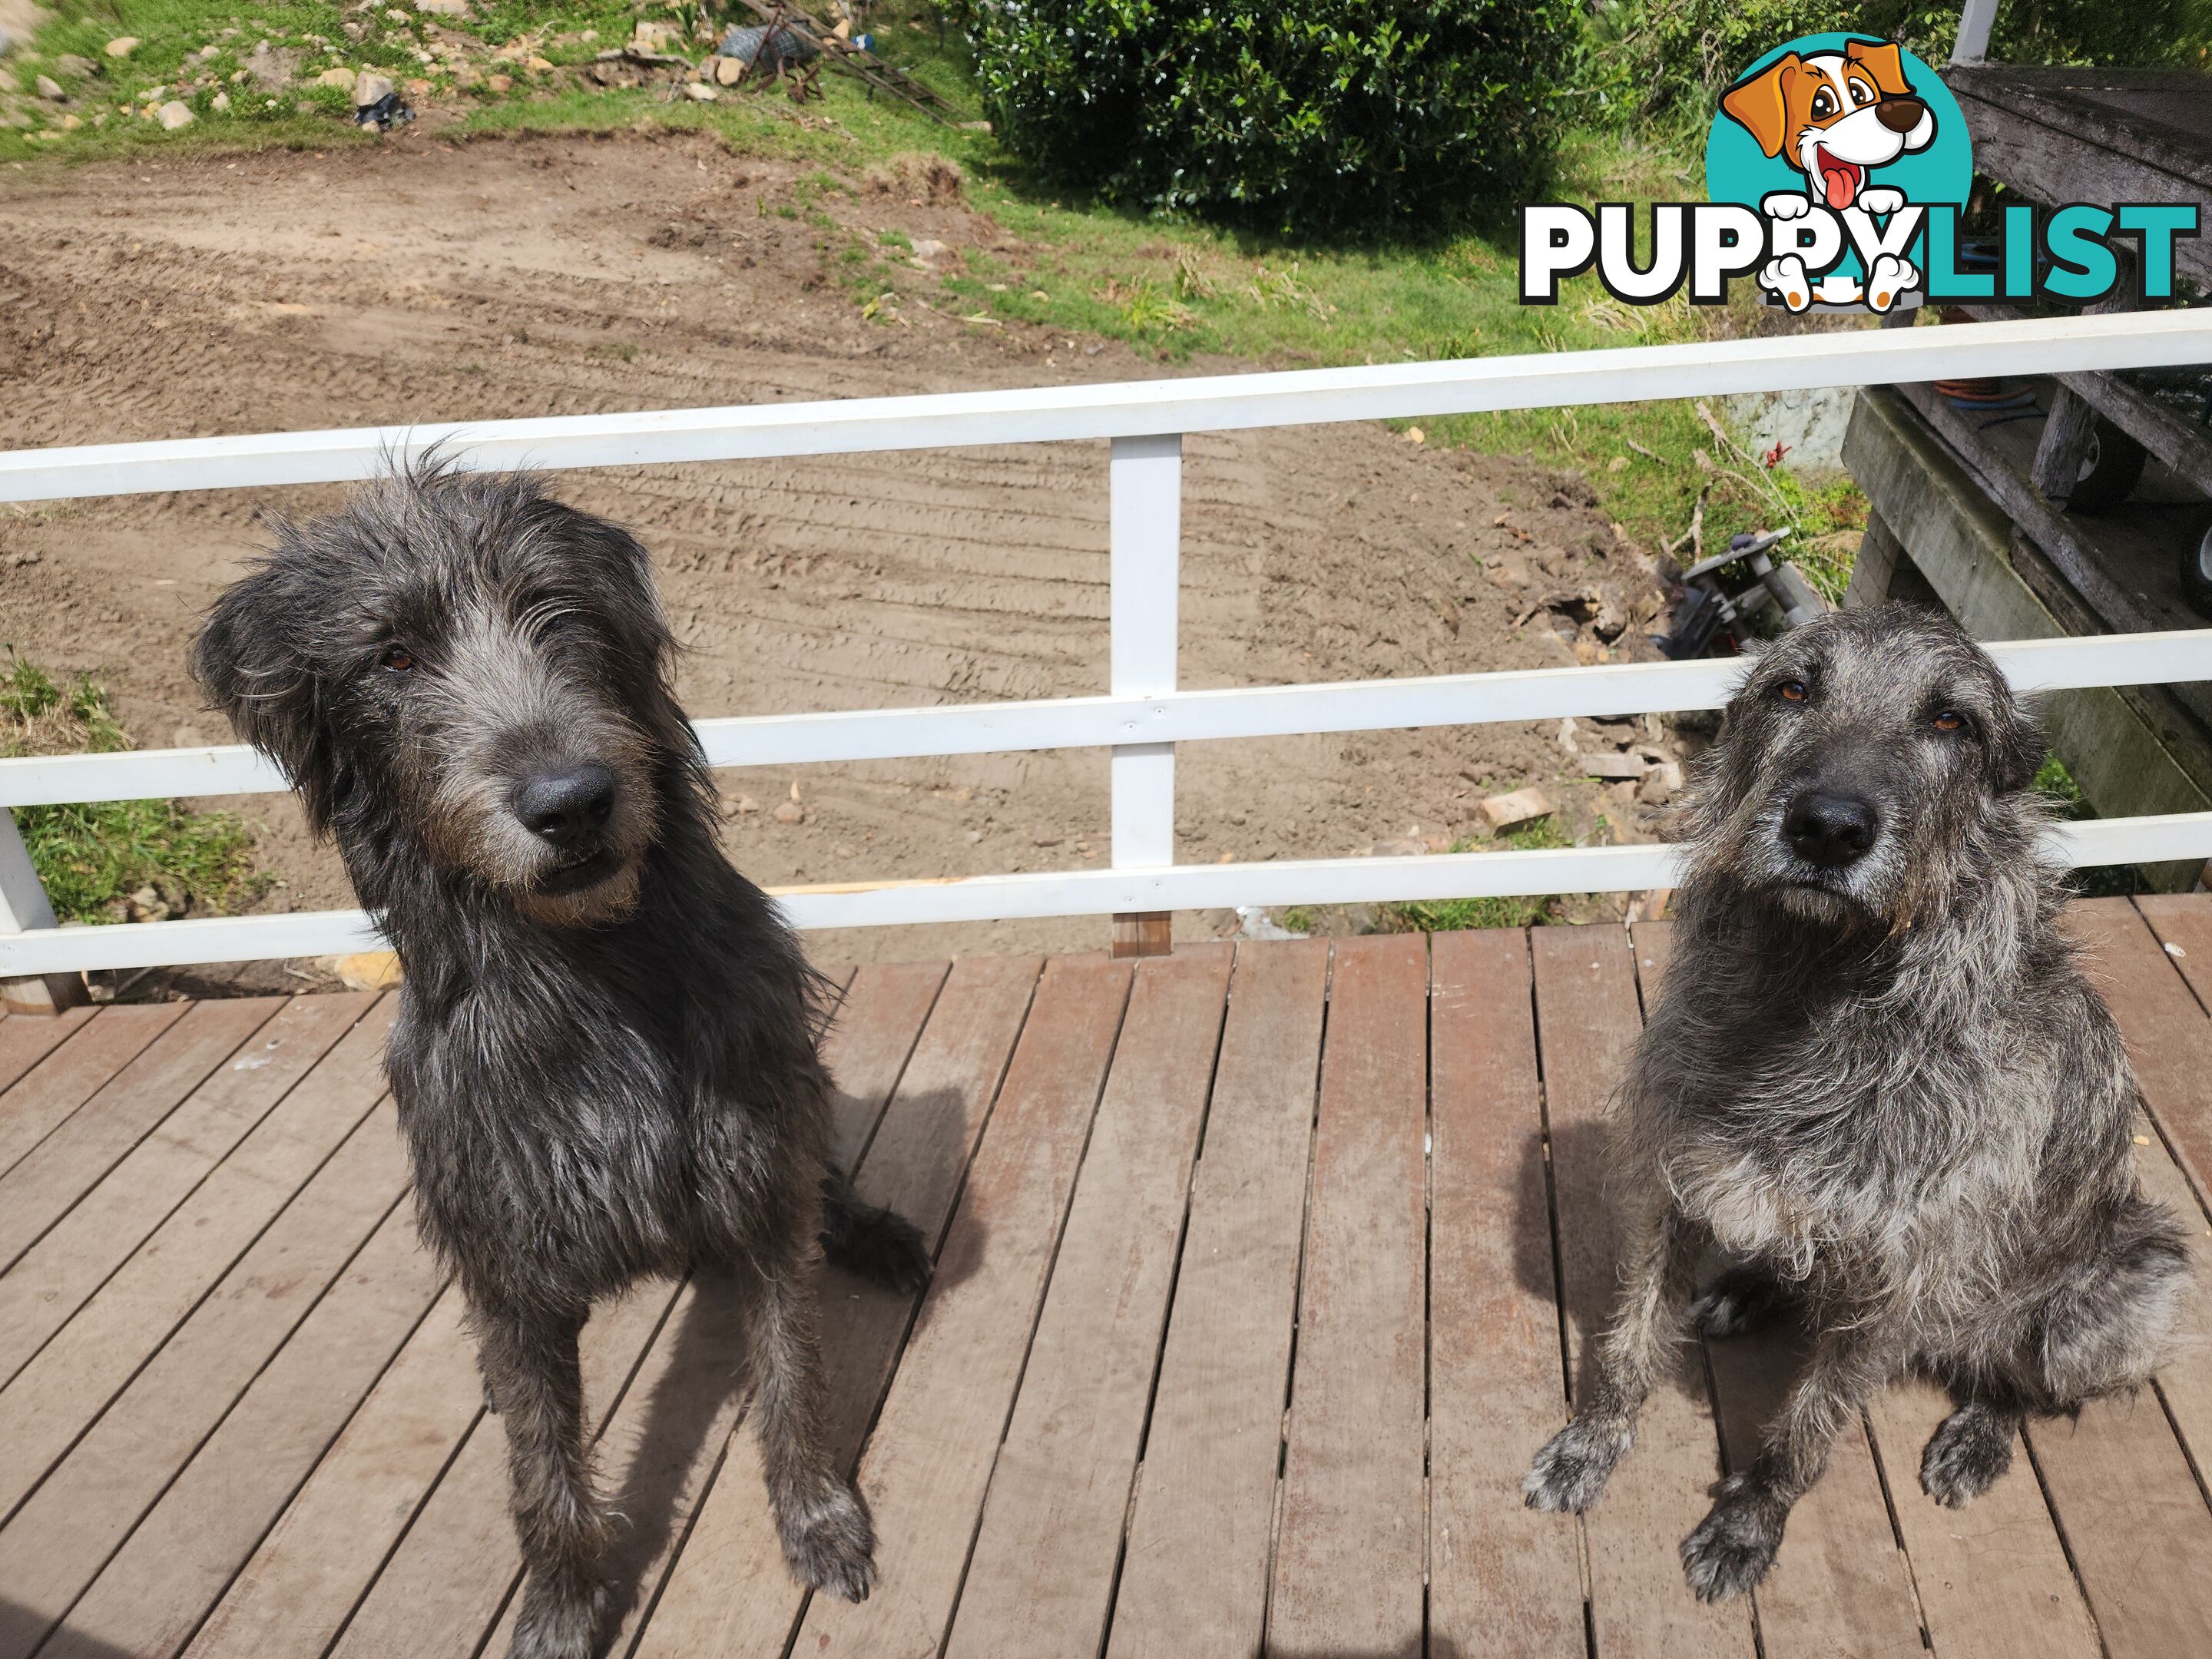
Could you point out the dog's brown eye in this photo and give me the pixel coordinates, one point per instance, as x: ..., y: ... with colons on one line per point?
x: 396, y: 658
x: 1791, y: 691
x: 1949, y: 721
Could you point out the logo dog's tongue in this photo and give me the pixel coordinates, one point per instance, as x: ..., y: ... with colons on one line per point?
x: 1842, y: 181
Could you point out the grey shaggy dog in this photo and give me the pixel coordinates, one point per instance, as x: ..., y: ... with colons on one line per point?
x: 1878, y: 1081
x: 605, y: 1055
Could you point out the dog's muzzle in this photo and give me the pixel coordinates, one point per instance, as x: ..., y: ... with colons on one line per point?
x: 1829, y: 829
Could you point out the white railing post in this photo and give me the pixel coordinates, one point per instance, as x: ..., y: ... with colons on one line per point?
x: 1145, y: 534
x: 1976, y: 19
x: 23, y: 907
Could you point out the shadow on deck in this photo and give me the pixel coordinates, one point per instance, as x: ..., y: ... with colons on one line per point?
x: 1261, y: 1272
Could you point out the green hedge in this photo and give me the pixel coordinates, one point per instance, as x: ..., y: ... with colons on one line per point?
x: 1665, y: 53
x: 1329, y: 116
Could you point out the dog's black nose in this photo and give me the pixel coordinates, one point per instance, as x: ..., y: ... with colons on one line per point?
x: 1828, y: 829
x: 1900, y: 114
x: 564, y: 806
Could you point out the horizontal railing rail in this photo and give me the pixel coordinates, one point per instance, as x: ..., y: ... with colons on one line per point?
x: 1128, y: 408
x: 1270, y: 711
x: 1144, y: 716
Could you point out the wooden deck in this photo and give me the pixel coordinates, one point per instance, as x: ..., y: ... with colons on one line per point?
x: 1249, y: 1317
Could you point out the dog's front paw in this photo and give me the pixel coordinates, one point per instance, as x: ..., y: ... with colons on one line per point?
x: 831, y: 1544
x: 1785, y: 204
x: 1571, y: 1472
x: 1890, y: 277
x: 1881, y: 198
x: 1785, y: 279
x: 1966, y: 1456
x: 558, y: 1620
x: 1733, y: 1545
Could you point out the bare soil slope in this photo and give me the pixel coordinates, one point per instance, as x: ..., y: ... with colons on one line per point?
x: 556, y: 275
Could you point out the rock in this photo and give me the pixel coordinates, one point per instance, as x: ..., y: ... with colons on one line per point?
x: 928, y: 247
x: 539, y: 65
x: 728, y: 71
x: 500, y: 82
x: 1613, y: 769
x: 789, y: 811
x: 654, y: 37
x: 121, y: 46
x: 371, y: 88
x: 173, y: 116
x: 1661, y: 784
x: 1504, y: 811
x: 699, y: 92
x: 1399, y: 847
x: 74, y: 66
x: 71, y: 123
x: 50, y: 89
x: 443, y: 7
x: 7, y: 42
x: 366, y: 970
x: 341, y: 77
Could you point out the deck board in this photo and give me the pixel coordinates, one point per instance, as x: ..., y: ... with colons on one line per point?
x: 1070, y: 1448
x: 1262, y: 1276
x: 1352, y: 1470
x: 1194, y: 1575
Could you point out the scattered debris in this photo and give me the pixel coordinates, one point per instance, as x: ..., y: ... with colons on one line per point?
x: 1613, y: 769
x: 1504, y: 811
x: 1253, y: 922
x: 386, y: 111
x: 1661, y: 784
x: 366, y: 970
x: 786, y: 45
x: 789, y: 811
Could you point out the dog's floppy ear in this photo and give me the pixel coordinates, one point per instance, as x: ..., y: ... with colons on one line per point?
x: 1882, y: 60
x: 248, y: 658
x: 1761, y: 105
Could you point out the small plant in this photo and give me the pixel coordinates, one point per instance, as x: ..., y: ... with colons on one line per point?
x: 1145, y: 307
x: 98, y: 859
x: 1512, y: 910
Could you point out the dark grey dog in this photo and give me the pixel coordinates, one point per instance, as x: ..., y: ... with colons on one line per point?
x: 1877, y: 1081
x: 604, y: 1060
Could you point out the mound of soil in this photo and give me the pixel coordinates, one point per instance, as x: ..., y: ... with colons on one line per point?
x: 422, y: 280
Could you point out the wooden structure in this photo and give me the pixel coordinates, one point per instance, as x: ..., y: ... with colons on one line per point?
x: 1970, y: 506
x: 1261, y: 1273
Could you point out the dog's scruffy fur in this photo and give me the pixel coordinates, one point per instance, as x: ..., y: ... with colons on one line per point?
x: 605, y: 1057
x: 1878, y: 1081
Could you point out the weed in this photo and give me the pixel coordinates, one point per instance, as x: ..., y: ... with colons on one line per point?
x: 1514, y: 910
x: 92, y: 856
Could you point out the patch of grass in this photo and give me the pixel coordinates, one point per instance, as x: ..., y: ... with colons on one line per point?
x: 1451, y: 915
x: 93, y: 856
x: 1298, y: 919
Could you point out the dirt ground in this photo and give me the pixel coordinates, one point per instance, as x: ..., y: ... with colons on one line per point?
x: 426, y: 281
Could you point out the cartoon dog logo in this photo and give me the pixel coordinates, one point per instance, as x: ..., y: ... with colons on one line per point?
x: 1836, y: 116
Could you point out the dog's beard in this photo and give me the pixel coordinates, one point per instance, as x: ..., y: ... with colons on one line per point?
x: 1753, y: 857
x: 606, y: 901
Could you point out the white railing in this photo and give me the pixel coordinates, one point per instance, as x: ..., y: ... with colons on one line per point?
x: 1143, y: 716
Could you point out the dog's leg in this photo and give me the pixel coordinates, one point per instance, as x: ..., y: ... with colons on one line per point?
x: 828, y: 1538
x: 531, y: 1369
x: 1741, y: 1300
x: 1648, y: 1324
x: 1735, y: 1543
x: 1971, y: 1449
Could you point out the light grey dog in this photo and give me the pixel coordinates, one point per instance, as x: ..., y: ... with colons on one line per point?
x: 1877, y: 1081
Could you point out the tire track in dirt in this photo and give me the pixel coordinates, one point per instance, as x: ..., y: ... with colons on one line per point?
x: 557, y: 275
